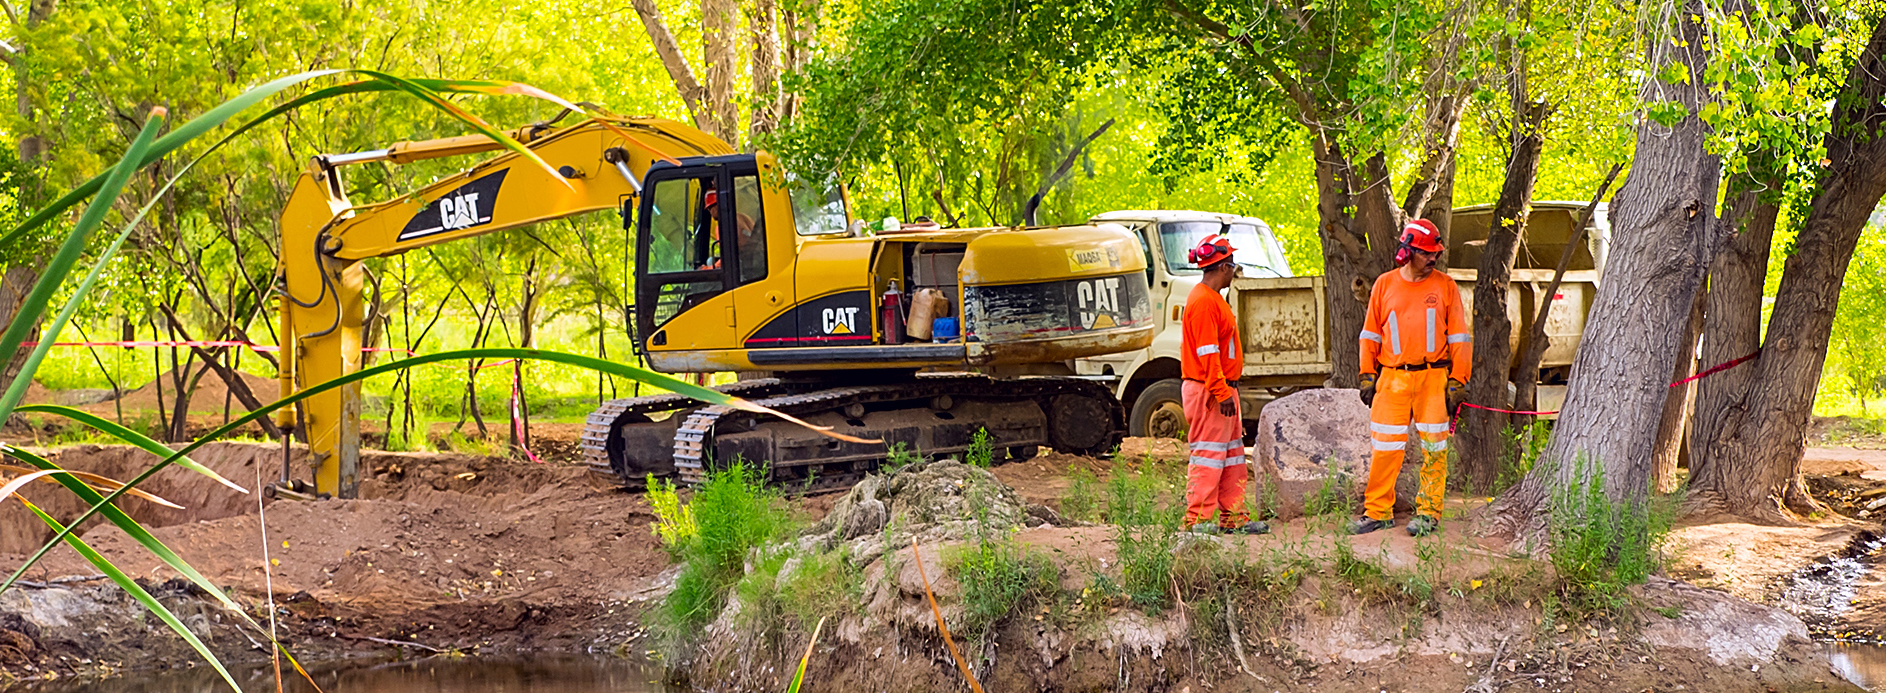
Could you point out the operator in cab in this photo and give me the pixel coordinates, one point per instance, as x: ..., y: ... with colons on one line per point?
x: 1211, y: 359
x: 1416, y: 333
x: 749, y: 246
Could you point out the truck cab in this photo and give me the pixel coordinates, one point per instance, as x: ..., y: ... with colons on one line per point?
x: 1165, y: 236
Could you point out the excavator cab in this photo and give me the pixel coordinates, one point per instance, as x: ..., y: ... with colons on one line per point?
x: 702, y: 232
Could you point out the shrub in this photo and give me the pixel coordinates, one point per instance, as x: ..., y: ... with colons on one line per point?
x: 674, y: 522
x: 1599, y: 546
x: 999, y: 578
x: 734, y: 513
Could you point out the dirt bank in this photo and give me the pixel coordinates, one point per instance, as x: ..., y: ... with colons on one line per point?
x: 448, y: 551
x: 445, y: 551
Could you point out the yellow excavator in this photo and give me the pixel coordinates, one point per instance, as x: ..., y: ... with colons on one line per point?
x: 740, y: 267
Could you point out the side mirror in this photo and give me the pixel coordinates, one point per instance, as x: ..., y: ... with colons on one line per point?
x: 628, y: 214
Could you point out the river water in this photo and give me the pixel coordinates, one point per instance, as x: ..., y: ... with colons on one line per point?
x: 511, y: 674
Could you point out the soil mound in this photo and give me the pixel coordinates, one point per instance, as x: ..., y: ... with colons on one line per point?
x: 209, y: 395
x: 448, y: 551
x: 944, y: 500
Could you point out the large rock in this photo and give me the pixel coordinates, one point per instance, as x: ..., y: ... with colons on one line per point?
x: 1306, y: 437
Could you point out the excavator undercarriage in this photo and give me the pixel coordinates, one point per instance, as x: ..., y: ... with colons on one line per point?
x: 627, y: 440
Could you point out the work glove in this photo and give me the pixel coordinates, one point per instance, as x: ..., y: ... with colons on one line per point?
x: 1456, y: 393
x: 1367, y: 383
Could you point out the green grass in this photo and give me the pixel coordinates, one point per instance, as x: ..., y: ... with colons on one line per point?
x: 734, y: 513
x: 1082, y: 501
x: 1000, y: 579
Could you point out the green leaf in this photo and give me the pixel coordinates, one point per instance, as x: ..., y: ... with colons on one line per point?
x: 137, y: 592
x: 35, y: 304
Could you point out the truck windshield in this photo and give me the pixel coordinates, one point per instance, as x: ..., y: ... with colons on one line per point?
x: 1176, y: 238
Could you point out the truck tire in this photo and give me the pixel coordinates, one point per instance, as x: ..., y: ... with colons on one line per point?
x: 1158, y: 412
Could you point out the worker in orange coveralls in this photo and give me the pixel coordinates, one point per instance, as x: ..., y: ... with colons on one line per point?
x: 1211, y: 360
x: 1417, y: 332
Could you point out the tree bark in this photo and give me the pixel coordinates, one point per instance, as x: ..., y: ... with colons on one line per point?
x: 1482, y: 440
x: 679, y: 68
x: 1732, y: 328
x: 1676, y: 407
x: 1344, y: 258
x: 763, y: 25
x: 1618, y: 383
x: 1757, y: 474
x: 717, y: 43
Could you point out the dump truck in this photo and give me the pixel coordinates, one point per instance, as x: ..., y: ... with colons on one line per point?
x: 1284, y: 319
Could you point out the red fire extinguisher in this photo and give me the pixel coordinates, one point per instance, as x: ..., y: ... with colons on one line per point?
x: 891, y: 315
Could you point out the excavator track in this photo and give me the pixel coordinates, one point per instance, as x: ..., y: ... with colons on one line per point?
x: 598, y: 425
x: 930, y: 414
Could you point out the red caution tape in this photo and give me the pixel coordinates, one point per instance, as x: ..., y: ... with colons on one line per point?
x: 1707, y: 372
x: 1720, y: 368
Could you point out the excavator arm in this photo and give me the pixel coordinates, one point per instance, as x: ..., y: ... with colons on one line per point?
x: 594, y: 164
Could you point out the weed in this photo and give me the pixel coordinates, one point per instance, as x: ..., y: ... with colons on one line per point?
x: 456, y: 441
x: 1082, y: 502
x: 1143, y: 532
x: 981, y: 450
x: 999, y: 578
x: 899, y: 456
x: 1521, y: 448
x: 820, y: 585
x: 674, y: 522
x: 1336, y: 496
x: 734, y: 513
x: 1600, y: 547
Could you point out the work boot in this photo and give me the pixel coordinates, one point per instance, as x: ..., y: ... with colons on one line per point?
x: 1205, y: 528
x: 1423, y: 525
x: 1252, y: 527
x: 1369, y: 524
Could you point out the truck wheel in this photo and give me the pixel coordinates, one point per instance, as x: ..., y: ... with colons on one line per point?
x: 1159, y: 413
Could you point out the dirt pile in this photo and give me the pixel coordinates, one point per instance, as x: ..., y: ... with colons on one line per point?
x: 944, y: 500
x: 447, y: 551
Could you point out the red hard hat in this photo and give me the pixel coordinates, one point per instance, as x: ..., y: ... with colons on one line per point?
x: 1422, y: 235
x: 1210, y: 251
x: 711, y: 198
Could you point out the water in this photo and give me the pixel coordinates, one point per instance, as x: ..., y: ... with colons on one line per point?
x: 1864, y: 665
x: 534, y: 674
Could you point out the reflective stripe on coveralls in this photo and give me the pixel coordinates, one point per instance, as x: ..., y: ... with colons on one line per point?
x: 1216, y: 472
x: 1400, y: 396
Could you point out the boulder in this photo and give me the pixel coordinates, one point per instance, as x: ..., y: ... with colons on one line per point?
x: 1305, y: 438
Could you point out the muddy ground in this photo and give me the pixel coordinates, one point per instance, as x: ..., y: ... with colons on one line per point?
x: 465, y: 553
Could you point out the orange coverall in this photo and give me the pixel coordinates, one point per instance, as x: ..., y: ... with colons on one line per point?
x: 1210, y: 357
x: 1410, y: 329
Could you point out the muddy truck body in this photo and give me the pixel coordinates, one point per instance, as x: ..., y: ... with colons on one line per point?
x: 1283, y: 318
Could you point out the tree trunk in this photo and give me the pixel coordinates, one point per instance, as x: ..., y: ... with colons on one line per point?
x: 1619, y: 378
x: 1482, y: 441
x: 1732, y: 328
x: 800, y: 18
x: 717, y: 42
x: 1344, y: 254
x: 679, y: 68
x: 1757, y: 473
x: 1676, y: 407
x: 763, y: 25
x: 1534, y: 344
x: 15, y: 284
